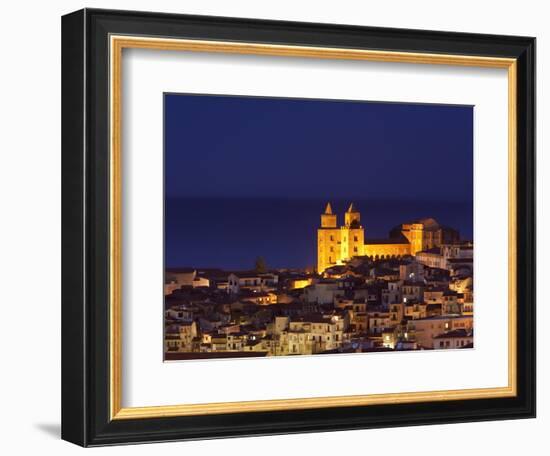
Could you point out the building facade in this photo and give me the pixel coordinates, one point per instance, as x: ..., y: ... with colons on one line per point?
x: 337, y: 244
x: 334, y: 243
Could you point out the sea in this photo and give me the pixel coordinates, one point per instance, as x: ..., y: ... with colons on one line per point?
x: 231, y: 233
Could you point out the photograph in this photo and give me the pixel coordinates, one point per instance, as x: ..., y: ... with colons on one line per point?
x: 271, y: 225
x: 299, y: 226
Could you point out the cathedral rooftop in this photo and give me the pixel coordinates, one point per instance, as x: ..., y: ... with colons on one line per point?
x: 400, y: 240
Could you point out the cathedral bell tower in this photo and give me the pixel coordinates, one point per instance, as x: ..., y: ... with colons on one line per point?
x: 353, y: 234
x: 338, y: 244
x: 328, y: 241
x: 352, y: 218
x: 328, y: 219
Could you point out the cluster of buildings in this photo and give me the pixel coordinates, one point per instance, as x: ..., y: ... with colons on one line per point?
x: 412, y: 291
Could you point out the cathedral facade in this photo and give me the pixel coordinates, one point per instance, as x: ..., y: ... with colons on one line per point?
x: 337, y: 244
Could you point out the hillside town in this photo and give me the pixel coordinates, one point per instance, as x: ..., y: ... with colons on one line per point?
x: 411, y: 291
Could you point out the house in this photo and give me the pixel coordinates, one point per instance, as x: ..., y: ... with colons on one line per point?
x: 261, y: 298
x: 426, y: 329
x: 458, y: 338
x: 378, y: 320
x: 184, y: 277
x: 182, y: 337
x: 392, y: 294
x: 434, y: 295
x: 412, y: 291
x: 219, y: 342
x: 413, y: 271
x: 182, y: 313
x: 322, y: 292
x: 313, y: 334
x: 450, y: 304
x: 248, y: 280
x: 240, y: 281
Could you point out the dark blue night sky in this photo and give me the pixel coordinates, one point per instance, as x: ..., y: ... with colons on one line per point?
x: 248, y: 177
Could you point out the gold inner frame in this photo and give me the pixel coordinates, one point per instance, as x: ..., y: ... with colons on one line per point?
x: 117, y: 44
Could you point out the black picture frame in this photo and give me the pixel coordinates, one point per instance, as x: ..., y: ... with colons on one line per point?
x: 85, y: 224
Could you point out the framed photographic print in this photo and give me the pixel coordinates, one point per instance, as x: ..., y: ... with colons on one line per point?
x: 278, y: 227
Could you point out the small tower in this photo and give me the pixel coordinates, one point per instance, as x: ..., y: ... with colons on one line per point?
x: 353, y: 234
x: 352, y: 217
x: 328, y: 241
x: 328, y: 219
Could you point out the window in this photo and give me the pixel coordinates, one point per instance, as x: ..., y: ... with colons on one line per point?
x: 355, y: 250
x: 355, y: 238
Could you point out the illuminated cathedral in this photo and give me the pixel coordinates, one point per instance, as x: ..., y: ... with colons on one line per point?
x: 337, y: 244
